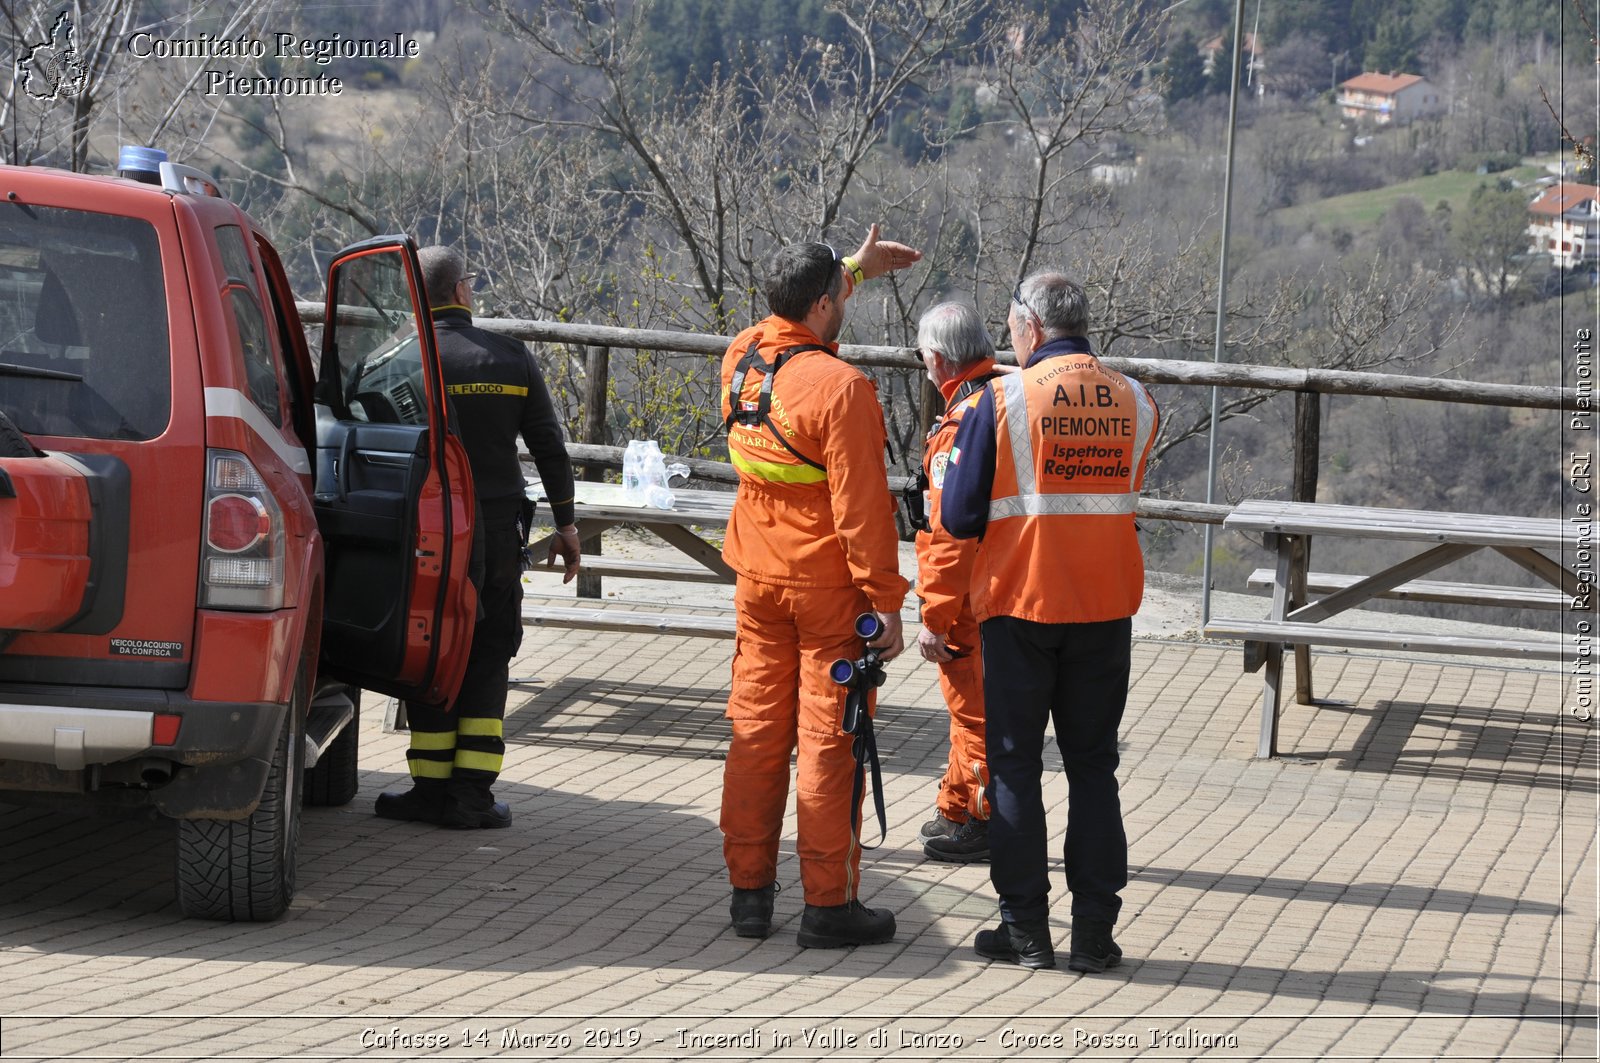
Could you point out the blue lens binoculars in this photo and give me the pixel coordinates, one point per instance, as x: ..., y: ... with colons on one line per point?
x: 860, y: 675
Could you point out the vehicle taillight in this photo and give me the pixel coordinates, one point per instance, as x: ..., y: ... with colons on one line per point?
x: 241, y: 562
x: 236, y: 522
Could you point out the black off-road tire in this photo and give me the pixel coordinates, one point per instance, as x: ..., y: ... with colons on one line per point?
x: 243, y: 870
x: 333, y: 782
x: 13, y: 444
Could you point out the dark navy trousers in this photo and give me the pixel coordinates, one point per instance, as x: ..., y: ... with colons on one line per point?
x: 1076, y: 676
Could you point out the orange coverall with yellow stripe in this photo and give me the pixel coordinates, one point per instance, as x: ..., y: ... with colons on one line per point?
x: 814, y: 548
x: 944, y: 583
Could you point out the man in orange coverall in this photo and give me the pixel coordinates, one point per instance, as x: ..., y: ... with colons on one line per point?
x: 812, y: 537
x: 960, y: 359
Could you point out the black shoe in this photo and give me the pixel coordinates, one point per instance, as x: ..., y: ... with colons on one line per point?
x: 420, y: 804
x: 492, y: 816
x: 1092, y: 948
x: 968, y: 845
x: 1024, y: 944
x: 751, y: 911
x: 838, y: 926
x: 937, y: 827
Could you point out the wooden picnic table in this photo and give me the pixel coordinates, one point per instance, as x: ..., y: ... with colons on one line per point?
x: 1297, y: 618
x: 598, y: 506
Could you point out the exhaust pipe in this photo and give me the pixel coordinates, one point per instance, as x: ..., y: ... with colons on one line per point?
x: 155, y: 772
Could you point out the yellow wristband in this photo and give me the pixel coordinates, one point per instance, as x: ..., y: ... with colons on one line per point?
x: 857, y: 274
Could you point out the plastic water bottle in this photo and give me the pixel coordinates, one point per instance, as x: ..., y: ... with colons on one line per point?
x: 654, y: 474
x: 633, y: 461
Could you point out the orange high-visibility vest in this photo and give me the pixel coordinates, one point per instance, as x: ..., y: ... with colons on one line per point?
x: 1071, y: 439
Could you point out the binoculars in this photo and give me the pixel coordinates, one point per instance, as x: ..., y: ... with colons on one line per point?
x: 860, y: 675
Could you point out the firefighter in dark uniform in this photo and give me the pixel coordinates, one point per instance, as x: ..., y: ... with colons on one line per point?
x: 497, y: 394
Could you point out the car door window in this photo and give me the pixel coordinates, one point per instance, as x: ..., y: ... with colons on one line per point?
x: 379, y: 358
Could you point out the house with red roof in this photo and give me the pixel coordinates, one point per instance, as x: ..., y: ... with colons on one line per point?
x: 1389, y: 99
x: 1565, y: 224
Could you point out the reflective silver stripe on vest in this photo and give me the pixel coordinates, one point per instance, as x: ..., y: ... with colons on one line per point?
x: 1143, y: 430
x: 1012, y: 390
x: 1073, y: 505
x: 1029, y: 502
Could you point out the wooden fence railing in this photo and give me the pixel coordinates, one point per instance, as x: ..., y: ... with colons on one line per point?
x: 1307, y: 384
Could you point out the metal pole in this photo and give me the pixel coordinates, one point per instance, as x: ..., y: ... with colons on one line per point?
x: 1222, y: 301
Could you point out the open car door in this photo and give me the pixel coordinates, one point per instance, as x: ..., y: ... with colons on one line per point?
x: 394, y: 497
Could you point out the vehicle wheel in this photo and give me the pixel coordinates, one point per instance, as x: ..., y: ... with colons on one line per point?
x: 13, y: 444
x: 243, y: 870
x: 332, y: 782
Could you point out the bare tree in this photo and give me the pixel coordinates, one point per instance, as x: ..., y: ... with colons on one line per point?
x: 69, y: 66
x: 78, y: 74
x: 716, y: 163
x: 1064, y: 95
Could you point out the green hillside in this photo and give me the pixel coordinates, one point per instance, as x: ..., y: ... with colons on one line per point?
x: 1362, y: 210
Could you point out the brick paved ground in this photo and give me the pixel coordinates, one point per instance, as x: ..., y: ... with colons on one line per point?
x: 1417, y: 880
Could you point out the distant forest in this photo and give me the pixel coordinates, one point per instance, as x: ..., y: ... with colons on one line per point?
x: 689, y: 38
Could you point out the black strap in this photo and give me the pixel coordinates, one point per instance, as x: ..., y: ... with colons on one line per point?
x: 967, y: 389
x: 911, y: 496
x: 762, y: 414
x: 526, y: 508
x: 736, y: 385
x: 865, y: 750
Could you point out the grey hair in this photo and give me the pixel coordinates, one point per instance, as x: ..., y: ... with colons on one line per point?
x: 1060, y: 304
x: 956, y: 332
x: 442, y: 269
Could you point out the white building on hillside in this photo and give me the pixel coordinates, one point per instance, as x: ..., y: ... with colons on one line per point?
x: 1389, y: 99
x: 1565, y: 224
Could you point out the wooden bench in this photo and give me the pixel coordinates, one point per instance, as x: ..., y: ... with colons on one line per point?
x: 641, y: 622
x: 1299, y: 634
x: 1429, y: 590
x: 1302, y: 601
x: 605, y: 565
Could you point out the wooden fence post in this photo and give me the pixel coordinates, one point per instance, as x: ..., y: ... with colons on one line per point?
x: 596, y: 381
x: 1307, y: 452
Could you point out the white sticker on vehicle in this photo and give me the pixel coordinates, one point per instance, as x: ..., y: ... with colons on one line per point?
x: 146, y: 648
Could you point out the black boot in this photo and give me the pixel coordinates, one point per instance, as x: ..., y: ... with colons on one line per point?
x: 1025, y: 944
x: 1092, y: 948
x: 473, y: 806
x: 428, y: 801
x: 937, y: 827
x: 838, y: 926
x: 751, y: 910
x: 968, y: 845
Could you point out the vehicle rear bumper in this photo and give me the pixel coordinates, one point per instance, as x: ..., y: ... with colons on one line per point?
x: 71, y: 738
x: 216, y: 768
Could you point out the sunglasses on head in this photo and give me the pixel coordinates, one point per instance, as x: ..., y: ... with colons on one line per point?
x: 833, y: 271
x: 1016, y: 297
